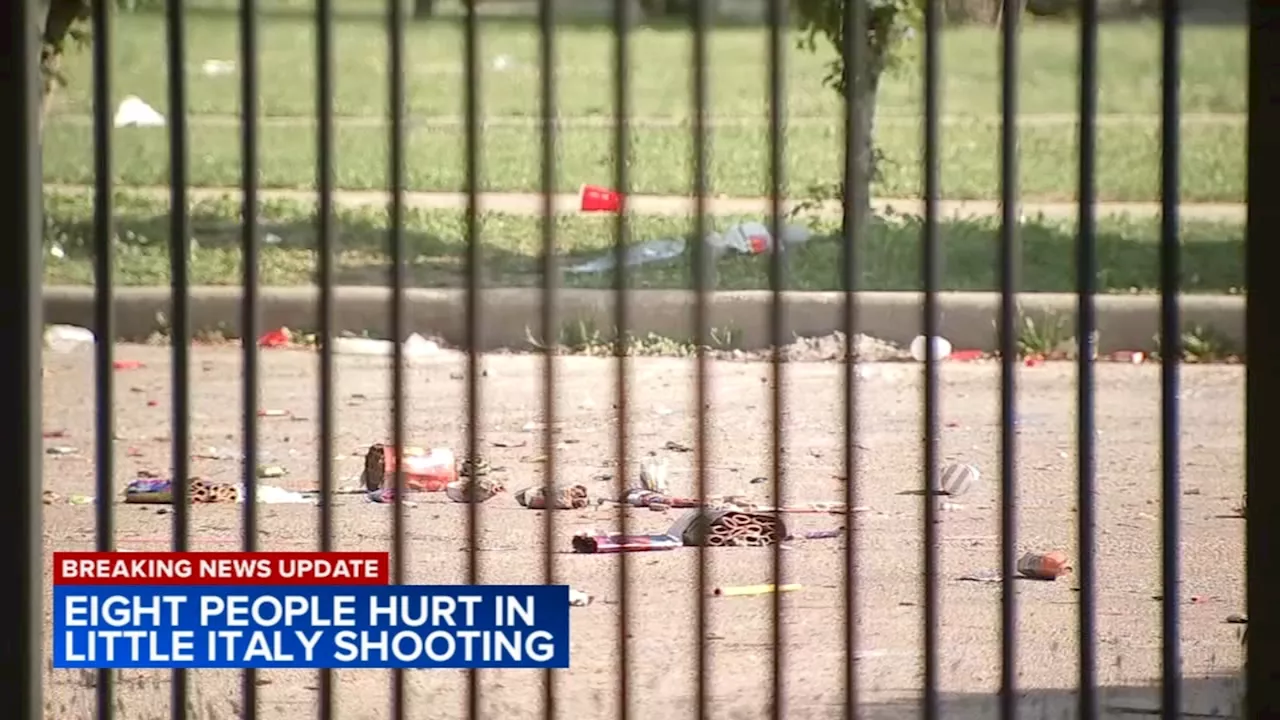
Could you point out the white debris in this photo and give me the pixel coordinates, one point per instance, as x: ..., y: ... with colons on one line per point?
x: 66, y: 338
x: 415, y: 346
x: 272, y: 495
x: 941, y: 348
x: 133, y: 112
x: 214, y: 68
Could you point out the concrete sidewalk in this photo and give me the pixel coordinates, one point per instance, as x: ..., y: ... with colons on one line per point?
x: 671, y: 205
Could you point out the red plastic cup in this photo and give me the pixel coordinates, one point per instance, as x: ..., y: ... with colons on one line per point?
x: 593, y: 198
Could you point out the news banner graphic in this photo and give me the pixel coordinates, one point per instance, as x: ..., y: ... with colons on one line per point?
x: 284, y: 610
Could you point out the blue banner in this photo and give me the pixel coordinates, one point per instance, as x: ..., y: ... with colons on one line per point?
x: 337, y: 627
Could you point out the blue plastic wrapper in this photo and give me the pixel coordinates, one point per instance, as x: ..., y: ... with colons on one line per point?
x: 149, y: 491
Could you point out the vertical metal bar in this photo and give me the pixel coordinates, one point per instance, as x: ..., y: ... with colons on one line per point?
x: 472, y: 96
x: 22, y: 649
x: 104, y: 310
x: 856, y: 184
x: 249, y: 321
x: 622, y: 315
x: 1086, y: 327
x: 395, y: 221
x: 703, y: 271
x: 1262, y: 393
x: 324, y: 235
x: 550, y: 280
x: 1009, y: 264
x: 931, y: 280
x: 1170, y: 357
x: 180, y: 323
x: 777, y: 283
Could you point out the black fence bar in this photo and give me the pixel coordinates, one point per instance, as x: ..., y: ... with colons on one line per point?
x: 180, y: 322
x: 931, y: 271
x: 1262, y: 388
x: 395, y: 224
x: 1086, y: 339
x: 22, y: 683
x: 249, y: 320
x: 1170, y: 357
x: 550, y: 298
x: 854, y: 224
x: 777, y: 284
x: 325, y: 281
x: 475, y: 271
x: 705, y: 279
x: 1010, y: 263
x: 104, y: 312
x: 622, y: 323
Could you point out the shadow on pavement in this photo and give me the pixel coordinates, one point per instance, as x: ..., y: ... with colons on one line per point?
x: 1202, y: 697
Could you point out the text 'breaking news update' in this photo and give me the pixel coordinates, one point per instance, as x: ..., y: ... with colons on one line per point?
x: 293, y: 610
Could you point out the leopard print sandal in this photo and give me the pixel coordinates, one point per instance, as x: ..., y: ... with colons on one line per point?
x: 203, y: 491
x: 474, y: 467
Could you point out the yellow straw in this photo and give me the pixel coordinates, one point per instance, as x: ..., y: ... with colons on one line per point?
x: 741, y: 590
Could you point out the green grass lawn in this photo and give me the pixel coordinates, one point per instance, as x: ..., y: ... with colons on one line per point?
x: 1212, y: 154
x: 1214, y: 75
x: 661, y: 160
x: 1127, y: 250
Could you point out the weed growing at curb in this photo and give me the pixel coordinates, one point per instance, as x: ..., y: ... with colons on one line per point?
x: 583, y: 337
x: 1049, y: 337
x: 1203, y: 344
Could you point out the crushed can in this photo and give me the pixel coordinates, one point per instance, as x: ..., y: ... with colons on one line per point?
x: 563, y: 497
x: 1044, y: 566
x: 424, y: 471
x: 149, y: 491
x: 723, y: 527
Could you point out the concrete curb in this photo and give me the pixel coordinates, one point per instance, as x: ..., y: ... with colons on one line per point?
x: 509, y: 316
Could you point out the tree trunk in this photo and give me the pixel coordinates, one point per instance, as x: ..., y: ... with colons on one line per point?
x: 424, y: 8
x: 864, y: 107
x: 58, y: 17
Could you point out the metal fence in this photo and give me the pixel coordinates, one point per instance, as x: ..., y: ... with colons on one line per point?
x: 19, y: 86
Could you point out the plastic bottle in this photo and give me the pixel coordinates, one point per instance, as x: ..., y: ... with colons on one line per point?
x: 430, y: 472
x: 753, y: 238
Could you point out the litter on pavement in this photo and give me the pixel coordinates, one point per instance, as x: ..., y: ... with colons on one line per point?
x: 602, y: 542
x: 750, y: 238
x: 67, y: 338
x: 415, y: 346
x: 562, y: 497
x: 1044, y: 566
x: 424, y: 471
x: 748, y: 590
x: 919, y: 346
